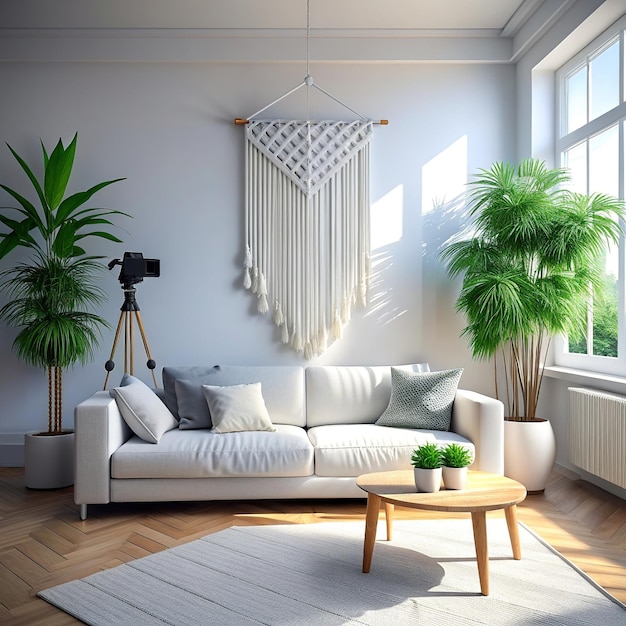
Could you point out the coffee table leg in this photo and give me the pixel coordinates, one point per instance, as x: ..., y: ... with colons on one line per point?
x: 479, y: 524
x: 389, y: 509
x: 371, y: 522
x: 511, y: 522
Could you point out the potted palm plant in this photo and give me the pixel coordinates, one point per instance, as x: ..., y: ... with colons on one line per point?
x: 529, y: 268
x: 426, y: 462
x: 51, y: 295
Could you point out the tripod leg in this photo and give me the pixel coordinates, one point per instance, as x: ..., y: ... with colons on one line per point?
x: 109, y: 364
x: 129, y: 361
x: 146, y: 347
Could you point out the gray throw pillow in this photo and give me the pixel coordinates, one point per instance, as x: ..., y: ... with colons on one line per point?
x: 191, y: 373
x: 193, y: 409
x: 421, y: 400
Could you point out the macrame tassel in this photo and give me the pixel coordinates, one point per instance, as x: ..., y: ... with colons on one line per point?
x: 255, y: 280
x: 345, y: 310
x: 284, y: 337
x: 363, y: 292
x: 277, y: 317
x: 247, y: 264
x: 308, y: 351
x: 263, y: 306
x: 364, y: 284
x: 322, y: 341
x: 315, y: 349
x: 296, y: 343
x: 336, y: 328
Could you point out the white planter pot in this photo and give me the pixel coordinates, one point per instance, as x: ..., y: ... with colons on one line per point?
x: 529, y: 453
x: 49, y: 460
x: 427, y: 480
x: 454, y: 477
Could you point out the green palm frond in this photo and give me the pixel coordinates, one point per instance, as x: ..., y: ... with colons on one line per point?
x: 51, y: 301
x: 57, y: 223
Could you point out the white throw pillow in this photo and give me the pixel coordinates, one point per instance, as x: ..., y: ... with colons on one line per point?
x: 237, y: 408
x: 143, y: 411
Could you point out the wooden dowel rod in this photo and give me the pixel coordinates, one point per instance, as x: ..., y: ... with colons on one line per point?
x: 241, y: 122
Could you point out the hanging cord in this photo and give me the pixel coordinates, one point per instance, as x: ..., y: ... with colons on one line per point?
x: 308, y: 35
x: 308, y: 81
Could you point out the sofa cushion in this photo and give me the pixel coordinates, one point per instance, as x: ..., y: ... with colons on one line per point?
x: 353, y: 449
x: 143, y: 411
x: 237, y: 408
x: 421, y: 400
x: 349, y: 395
x: 203, y: 454
x: 283, y: 386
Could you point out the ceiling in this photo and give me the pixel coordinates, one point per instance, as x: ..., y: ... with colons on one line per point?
x: 504, y: 17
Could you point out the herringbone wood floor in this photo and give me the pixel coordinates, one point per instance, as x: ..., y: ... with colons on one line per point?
x: 43, y: 542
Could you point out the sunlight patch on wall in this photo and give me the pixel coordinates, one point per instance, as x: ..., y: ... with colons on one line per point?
x: 444, y: 177
x: 386, y: 219
x: 381, y: 296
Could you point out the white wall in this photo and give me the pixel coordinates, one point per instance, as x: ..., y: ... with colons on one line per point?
x: 168, y: 128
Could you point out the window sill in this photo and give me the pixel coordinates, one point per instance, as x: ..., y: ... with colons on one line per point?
x: 586, y: 377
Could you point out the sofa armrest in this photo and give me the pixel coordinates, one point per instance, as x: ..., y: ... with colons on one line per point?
x: 99, y: 431
x: 480, y: 419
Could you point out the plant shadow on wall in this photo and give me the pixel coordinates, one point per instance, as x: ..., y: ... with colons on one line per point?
x: 51, y: 296
x: 381, y: 301
x: 529, y: 263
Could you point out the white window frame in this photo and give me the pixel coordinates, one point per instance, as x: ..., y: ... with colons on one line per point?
x: 565, y: 141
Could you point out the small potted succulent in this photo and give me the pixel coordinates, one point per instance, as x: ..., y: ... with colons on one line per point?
x: 455, y: 459
x: 426, y: 461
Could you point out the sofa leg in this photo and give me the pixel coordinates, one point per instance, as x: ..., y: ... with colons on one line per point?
x: 83, y: 511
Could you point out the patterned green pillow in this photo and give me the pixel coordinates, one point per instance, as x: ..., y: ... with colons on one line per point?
x: 421, y: 400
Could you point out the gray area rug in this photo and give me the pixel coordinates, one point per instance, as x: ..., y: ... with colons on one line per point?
x: 291, y: 575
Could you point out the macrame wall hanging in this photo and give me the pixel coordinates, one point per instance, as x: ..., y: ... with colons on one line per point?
x: 307, y: 224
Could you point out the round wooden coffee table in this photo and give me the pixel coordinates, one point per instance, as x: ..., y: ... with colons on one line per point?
x: 484, y: 492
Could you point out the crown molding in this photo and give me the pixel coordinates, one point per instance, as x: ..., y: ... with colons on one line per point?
x: 253, y: 33
x: 253, y: 45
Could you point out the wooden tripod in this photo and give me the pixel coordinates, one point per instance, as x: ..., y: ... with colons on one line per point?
x: 129, y: 313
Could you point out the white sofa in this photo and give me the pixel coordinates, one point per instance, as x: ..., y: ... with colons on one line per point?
x: 325, y: 437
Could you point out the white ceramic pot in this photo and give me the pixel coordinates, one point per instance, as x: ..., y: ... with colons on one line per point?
x: 529, y: 452
x: 427, y: 480
x: 49, y: 460
x: 454, y: 477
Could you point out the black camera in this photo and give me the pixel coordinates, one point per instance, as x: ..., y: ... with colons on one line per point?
x: 135, y: 268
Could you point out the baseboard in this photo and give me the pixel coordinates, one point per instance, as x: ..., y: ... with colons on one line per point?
x: 567, y: 471
x: 576, y: 473
x: 12, y: 450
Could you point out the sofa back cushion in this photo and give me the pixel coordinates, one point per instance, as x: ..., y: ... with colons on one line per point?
x: 349, y: 394
x: 282, y: 386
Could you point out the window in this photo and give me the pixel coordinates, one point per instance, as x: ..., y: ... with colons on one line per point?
x: 591, y: 143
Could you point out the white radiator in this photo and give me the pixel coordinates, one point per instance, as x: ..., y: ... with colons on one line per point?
x: 597, y: 433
